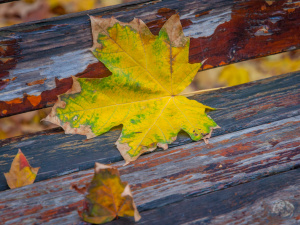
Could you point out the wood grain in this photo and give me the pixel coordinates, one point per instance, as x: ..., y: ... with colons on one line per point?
x: 243, y: 106
x: 223, y: 31
x: 172, y: 176
x: 273, y: 200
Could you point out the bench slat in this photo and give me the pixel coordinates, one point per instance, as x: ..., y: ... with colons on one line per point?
x: 257, y: 202
x: 244, y: 106
x: 39, y: 58
x: 170, y: 176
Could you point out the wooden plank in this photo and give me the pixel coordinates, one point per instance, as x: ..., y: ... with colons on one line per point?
x: 170, y: 176
x: 272, y: 200
x: 243, y: 106
x: 39, y: 58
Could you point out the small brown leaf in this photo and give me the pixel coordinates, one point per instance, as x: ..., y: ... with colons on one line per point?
x: 107, y: 197
x: 20, y: 173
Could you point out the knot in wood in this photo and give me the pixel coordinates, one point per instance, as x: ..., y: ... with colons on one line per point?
x: 283, y: 208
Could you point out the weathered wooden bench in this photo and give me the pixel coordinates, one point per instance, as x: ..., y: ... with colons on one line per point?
x: 247, y: 174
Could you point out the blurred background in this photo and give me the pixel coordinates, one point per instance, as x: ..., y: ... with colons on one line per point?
x: 30, y: 10
x: 235, y: 74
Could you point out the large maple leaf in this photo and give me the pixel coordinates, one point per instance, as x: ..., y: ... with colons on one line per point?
x: 148, y: 74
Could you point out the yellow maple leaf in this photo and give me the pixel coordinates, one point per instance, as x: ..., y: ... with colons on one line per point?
x: 232, y: 75
x: 148, y: 74
x: 110, y: 2
x: 107, y: 197
x: 20, y: 173
x: 281, y: 65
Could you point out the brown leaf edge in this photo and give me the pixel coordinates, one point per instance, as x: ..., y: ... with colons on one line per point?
x: 52, y: 117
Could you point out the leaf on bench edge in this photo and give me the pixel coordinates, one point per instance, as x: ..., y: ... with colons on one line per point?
x: 20, y: 173
x: 107, y: 197
x: 143, y: 93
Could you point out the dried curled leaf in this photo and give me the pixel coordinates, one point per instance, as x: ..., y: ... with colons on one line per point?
x: 148, y: 74
x: 20, y: 173
x: 108, y: 197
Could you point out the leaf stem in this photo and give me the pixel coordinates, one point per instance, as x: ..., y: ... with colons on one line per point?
x: 200, y: 91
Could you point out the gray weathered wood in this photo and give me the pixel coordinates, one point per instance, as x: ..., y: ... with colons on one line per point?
x: 169, y: 176
x: 273, y: 200
x: 222, y: 182
x: 242, y: 106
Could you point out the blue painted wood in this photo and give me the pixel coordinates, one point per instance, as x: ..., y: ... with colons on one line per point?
x: 243, y: 106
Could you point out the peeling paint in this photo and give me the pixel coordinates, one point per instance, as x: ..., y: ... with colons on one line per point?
x: 34, y: 100
x: 62, y: 66
x: 205, y: 26
x: 42, y: 81
x: 264, y: 30
x: 275, y: 19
